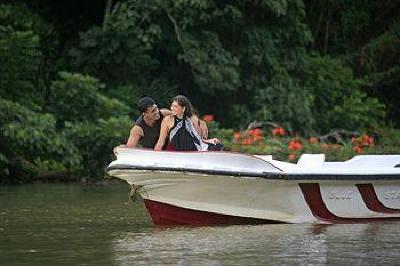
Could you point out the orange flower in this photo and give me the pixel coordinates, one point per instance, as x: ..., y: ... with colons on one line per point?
x: 278, y: 131
x: 357, y: 149
x: 208, y: 118
x: 313, y: 140
x: 292, y: 157
x: 247, y: 141
x: 365, y: 140
x: 291, y: 145
x: 371, y: 141
x: 257, y: 132
x: 236, y: 135
x: 282, y: 131
x: 295, y: 145
x: 299, y: 146
x: 257, y: 137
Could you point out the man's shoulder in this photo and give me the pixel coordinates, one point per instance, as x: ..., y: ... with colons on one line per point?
x: 137, y: 130
x: 139, y: 120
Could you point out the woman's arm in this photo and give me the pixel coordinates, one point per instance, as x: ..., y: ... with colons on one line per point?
x: 165, y: 127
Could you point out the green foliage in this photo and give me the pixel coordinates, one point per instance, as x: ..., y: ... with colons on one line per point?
x: 118, y: 52
x: 388, y: 140
x: 380, y: 69
x: 20, y: 60
x: 113, y: 55
x: 96, y: 140
x: 28, y: 137
x: 337, y: 101
x: 28, y: 51
x: 271, y: 60
x: 67, y: 97
x: 364, y: 35
x: 213, y: 68
x: 76, y: 97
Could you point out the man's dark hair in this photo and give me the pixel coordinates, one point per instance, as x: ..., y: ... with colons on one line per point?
x: 145, y: 103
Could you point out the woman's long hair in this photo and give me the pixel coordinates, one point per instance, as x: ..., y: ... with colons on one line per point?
x: 184, y: 102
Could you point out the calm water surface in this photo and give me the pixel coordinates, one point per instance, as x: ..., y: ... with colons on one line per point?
x: 57, y: 224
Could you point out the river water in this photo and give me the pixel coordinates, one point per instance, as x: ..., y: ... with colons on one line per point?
x: 64, y: 224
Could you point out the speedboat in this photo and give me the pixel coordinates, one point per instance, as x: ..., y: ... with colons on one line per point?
x: 212, y: 188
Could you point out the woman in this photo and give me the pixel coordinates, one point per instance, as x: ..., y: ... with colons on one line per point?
x: 180, y: 129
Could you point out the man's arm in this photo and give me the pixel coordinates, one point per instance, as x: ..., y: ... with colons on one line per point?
x: 135, y: 135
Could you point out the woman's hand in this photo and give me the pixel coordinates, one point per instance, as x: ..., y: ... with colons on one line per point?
x: 212, y: 141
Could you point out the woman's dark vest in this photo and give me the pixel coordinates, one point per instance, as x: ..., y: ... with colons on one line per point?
x: 183, y: 136
x: 150, y: 133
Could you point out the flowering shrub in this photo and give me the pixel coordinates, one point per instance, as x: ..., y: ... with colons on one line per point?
x: 362, y: 142
x: 279, y: 132
x: 208, y: 118
x: 289, y: 148
x: 283, y: 146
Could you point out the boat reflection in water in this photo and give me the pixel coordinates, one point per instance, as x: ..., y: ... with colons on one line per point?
x: 278, y: 244
x: 210, y: 188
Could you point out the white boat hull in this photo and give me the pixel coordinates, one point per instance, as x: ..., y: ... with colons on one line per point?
x: 190, y: 197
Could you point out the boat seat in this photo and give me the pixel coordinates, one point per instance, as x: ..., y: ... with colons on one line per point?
x: 311, y: 160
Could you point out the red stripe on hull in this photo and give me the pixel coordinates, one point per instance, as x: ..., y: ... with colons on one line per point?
x: 370, y: 198
x: 166, y: 214
x: 312, y: 195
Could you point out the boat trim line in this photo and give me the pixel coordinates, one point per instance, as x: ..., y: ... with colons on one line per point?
x: 265, y: 175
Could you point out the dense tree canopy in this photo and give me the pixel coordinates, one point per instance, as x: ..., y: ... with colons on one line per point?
x: 71, y: 71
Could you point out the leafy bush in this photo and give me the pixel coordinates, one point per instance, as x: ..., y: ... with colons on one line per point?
x: 290, y: 148
x: 118, y: 52
x: 29, y: 138
x: 96, y: 140
x: 20, y: 59
x: 337, y: 100
x: 75, y: 97
x: 28, y: 54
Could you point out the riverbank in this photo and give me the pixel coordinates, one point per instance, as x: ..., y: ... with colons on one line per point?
x: 64, y: 178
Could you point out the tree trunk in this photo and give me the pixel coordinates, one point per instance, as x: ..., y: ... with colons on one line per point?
x: 327, y: 32
x: 107, y: 12
x: 316, y: 32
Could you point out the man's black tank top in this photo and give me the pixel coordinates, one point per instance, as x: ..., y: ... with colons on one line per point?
x: 150, y: 134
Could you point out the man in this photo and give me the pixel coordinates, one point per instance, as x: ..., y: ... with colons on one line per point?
x: 147, y: 128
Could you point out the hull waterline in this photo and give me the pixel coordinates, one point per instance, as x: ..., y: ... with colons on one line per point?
x: 166, y: 214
